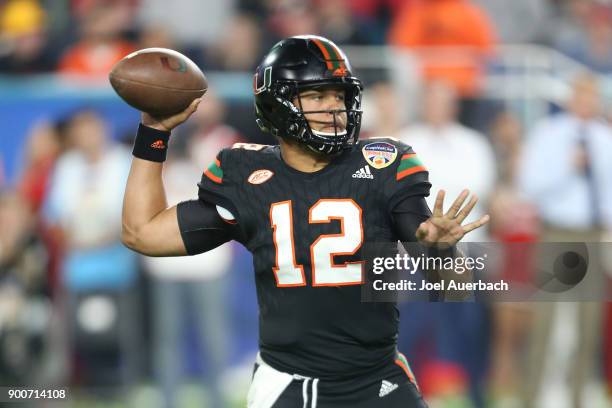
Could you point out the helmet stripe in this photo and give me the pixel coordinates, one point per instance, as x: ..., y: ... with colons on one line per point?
x: 333, y: 57
x: 337, y: 61
x: 326, y: 55
x: 336, y: 51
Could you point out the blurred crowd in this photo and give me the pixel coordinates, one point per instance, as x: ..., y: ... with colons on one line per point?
x: 78, y: 308
x: 86, y: 37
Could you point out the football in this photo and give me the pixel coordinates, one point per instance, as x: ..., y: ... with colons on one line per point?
x: 159, y: 81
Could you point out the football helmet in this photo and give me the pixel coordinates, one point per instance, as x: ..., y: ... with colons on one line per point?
x: 296, y: 64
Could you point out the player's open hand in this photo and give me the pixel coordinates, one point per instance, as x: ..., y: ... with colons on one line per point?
x: 168, y: 123
x: 445, y: 230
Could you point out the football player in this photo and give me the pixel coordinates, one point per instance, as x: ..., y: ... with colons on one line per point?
x: 304, y: 209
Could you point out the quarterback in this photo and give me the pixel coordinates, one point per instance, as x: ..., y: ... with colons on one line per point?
x: 304, y: 208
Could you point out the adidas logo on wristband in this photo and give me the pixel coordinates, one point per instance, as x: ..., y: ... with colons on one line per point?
x: 158, y: 144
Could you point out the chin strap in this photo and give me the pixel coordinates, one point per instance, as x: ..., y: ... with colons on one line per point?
x: 321, y: 133
x: 323, y: 149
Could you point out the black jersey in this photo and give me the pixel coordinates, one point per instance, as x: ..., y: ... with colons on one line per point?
x: 306, y: 231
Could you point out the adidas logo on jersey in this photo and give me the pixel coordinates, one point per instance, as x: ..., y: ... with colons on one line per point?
x: 386, y: 388
x: 363, y: 172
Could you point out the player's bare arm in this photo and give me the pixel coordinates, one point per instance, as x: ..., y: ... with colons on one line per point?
x: 148, y: 225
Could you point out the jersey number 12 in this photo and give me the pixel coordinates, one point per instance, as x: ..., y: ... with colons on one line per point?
x: 325, y: 272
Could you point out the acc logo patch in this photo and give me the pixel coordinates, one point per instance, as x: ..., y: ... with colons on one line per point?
x: 260, y: 176
x: 379, y: 154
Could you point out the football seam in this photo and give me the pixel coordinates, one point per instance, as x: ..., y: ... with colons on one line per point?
x: 157, y: 86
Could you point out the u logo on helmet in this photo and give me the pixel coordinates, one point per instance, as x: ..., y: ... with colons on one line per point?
x: 267, y: 81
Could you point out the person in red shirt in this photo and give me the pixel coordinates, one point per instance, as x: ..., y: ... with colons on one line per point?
x: 452, y: 38
x: 101, y: 45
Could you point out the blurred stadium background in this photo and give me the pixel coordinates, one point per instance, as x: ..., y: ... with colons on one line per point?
x: 476, y: 86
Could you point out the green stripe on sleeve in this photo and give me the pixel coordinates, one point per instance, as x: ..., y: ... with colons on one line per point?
x: 216, y: 170
x: 409, y: 163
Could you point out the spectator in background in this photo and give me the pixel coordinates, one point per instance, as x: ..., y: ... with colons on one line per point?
x: 85, y: 183
x: 22, y: 254
x: 337, y: 21
x: 215, y: 128
x: 507, y: 139
x: 239, y: 47
x: 25, y: 46
x: 591, y: 44
x: 570, y: 21
x: 376, y: 15
x: 452, y: 39
x: 376, y: 8
x: 156, y: 36
x: 519, y: 21
x: 208, y: 132
x: 382, y: 116
x: 98, y: 272
x: 567, y: 173
x: 42, y: 149
x: 513, y: 218
x: 287, y: 18
x: 190, y: 22
x: 446, y: 146
x: 515, y: 227
x: 443, y: 40
x: 101, y: 44
x: 24, y: 294
x: 578, y: 196
x: 44, y: 146
x: 457, y: 157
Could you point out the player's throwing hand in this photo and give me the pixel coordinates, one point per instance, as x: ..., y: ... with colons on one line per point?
x: 446, y: 229
x: 166, y: 124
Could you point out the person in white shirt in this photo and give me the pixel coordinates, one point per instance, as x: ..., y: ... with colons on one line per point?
x: 566, y: 169
x: 97, y: 272
x: 566, y: 172
x: 457, y: 157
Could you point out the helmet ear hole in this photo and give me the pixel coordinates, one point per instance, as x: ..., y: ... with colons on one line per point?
x: 284, y: 91
x: 262, y: 125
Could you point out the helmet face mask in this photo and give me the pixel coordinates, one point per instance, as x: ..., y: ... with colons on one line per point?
x: 294, y: 66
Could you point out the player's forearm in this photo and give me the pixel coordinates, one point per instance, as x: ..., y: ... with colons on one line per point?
x: 148, y: 226
x: 144, y: 198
